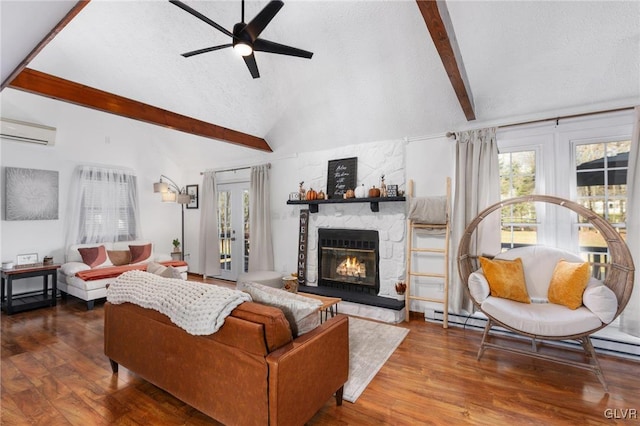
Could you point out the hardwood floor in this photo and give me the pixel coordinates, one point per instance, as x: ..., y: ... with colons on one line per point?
x: 54, y: 372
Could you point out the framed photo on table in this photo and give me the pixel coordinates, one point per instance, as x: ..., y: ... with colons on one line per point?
x: 27, y: 259
x: 192, y: 191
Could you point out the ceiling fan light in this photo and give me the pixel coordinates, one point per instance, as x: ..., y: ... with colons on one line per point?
x: 243, y: 48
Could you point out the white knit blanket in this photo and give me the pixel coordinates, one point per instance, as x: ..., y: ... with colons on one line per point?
x: 198, y: 308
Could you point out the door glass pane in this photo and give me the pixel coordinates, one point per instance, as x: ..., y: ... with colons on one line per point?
x: 518, y: 178
x: 245, y: 221
x: 224, y: 227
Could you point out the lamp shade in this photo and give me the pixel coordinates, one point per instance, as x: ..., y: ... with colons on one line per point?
x: 183, y: 199
x: 168, y: 197
x: 160, y: 187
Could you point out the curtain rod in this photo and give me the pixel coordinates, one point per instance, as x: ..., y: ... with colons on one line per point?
x: 557, y: 119
x: 235, y: 169
x: 564, y: 117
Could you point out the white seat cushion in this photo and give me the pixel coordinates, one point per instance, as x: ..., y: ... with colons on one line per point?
x: 541, y: 319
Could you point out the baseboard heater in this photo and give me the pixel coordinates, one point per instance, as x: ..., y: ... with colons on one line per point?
x: 478, y: 322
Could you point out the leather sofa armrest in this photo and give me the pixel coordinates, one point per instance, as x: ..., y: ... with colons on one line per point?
x: 304, y: 374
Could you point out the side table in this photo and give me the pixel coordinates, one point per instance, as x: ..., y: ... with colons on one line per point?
x: 329, y: 304
x: 11, y: 304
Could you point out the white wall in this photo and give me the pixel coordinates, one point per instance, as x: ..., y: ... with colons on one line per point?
x: 427, y: 161
x: 430, y: 161
x: 84, y: 136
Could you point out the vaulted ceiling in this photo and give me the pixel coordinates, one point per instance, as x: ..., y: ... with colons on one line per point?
x: 375, y: 73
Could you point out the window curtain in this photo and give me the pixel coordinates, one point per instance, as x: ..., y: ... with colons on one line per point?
x: 477, y: 186
x: 261, y: 253
x: 103, y: 206
x: 630, y: 318
x: 209, y: 246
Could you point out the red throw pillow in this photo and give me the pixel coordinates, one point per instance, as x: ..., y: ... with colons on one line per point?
x: 95, y: 257
x: 140, y: 254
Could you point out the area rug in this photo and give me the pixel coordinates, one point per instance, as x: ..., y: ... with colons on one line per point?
x: 370, y: 346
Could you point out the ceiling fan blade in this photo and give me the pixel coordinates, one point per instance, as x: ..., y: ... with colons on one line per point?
x: 262, y: 19
x: 262, y: 45
x: 205, y: 50
x: 201, y: 17
x: 250, y: 60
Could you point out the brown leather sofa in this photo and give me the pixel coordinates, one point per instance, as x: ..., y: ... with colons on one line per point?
x: 250, y: 372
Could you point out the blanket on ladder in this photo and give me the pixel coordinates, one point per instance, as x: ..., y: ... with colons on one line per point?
x: 198, y: 308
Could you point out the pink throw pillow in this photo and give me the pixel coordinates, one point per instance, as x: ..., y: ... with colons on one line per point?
x: 95, y: 257
x: 140, y: 254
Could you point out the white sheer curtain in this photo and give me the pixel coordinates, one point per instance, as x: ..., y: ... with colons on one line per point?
x: 261, y: 253
x: 103, y: 205
x: 630, y: 318
x: 209, y: 246
x: 477, y: 186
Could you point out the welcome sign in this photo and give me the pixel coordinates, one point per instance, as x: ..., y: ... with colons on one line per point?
x: 302, y: 246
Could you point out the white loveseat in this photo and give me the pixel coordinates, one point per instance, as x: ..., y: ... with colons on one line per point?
x: 92, y: 289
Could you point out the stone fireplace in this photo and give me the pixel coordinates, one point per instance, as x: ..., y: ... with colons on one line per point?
x: 348, y: 259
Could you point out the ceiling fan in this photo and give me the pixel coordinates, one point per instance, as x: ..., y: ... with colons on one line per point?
x: 245, y: 36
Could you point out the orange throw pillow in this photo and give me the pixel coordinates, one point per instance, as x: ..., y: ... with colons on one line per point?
x: 119, y: 257
x: 568, y: 283
x: 506, y: 279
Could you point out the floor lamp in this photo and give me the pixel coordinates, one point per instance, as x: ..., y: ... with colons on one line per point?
x: 172, y: 193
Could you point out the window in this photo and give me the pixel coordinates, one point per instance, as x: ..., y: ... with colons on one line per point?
x: 601, y: 186
x: 106, y: 207
x: 518, y: 178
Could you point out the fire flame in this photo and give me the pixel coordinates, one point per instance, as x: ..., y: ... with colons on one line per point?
x: 351, y: 267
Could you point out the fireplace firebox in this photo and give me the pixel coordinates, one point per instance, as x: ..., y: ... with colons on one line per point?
x: 348, y: 260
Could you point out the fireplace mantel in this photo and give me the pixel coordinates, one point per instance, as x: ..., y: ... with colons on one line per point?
x: 373, y: 202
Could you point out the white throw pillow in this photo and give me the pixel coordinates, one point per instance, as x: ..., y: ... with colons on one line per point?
x: 72, y: 268
x: 300, y: 311
x: 171, y: 272
x: 155, y: 268
x: 600, y: 300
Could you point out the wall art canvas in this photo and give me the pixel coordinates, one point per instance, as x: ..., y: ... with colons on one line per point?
x: 31, y: 194
x: 192, y: 190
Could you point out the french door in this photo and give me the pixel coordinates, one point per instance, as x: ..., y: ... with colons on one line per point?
x: 233, y: 228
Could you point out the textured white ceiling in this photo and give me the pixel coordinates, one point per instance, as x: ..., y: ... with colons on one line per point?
x: 375, y: 74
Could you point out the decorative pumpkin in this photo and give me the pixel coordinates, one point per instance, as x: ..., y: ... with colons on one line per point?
x: 312, y: 195
x: 349, y: 194
x: 374, y: 192
x: 321, y: 195
x: 361, y: 191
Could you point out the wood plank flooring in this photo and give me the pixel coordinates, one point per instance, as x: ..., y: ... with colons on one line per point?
x: 54, y: 372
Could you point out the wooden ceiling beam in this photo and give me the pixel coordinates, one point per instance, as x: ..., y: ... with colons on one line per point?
x: 436, y: 16
x: 43, y: 84
x: 50, y: 36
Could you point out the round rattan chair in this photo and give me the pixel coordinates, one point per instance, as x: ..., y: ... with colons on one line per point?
x: 618, y: 278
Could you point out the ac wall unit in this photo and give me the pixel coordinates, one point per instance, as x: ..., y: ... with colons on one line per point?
x: 27, y: 132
